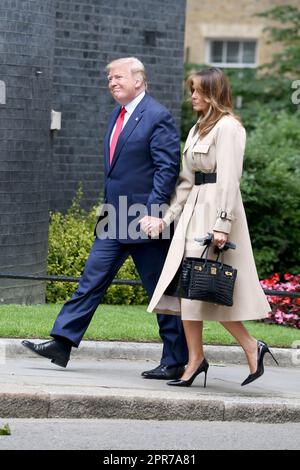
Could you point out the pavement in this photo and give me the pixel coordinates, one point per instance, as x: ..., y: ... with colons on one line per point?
x: 103, y: 381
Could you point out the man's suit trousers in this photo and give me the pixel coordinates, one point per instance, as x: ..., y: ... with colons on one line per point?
x: 104, y: 261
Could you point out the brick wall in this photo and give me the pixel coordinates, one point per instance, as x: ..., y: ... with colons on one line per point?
x: 90, y: 33
x: 26, y: 46
x: 52, y: 56
x: 233, y: 19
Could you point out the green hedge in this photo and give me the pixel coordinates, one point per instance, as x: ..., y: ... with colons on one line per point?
x: 70, y: 241
x: 271, y: 191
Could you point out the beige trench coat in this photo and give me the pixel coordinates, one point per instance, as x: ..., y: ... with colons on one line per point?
x: 199, y: 208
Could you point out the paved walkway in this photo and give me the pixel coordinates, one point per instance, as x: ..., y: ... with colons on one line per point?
x: 103, y: 380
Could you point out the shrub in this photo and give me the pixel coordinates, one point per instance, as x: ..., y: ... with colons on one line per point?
x: 271, y: 192
x: 285, y: 310
x: 70, y: 241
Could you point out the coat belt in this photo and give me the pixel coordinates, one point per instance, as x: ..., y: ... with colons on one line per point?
x: 204, y: 178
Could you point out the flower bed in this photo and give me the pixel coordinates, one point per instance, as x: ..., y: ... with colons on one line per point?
x: 285, y: 310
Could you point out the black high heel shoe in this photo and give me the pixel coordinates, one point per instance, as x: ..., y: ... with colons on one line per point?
x: 262, y: 349
x: 187, y: 383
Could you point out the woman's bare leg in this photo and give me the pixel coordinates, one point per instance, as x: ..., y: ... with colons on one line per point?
x: 248, y: 343
x: 193, y: 333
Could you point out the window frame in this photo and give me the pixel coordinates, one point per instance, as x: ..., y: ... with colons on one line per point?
x: 208, y: 51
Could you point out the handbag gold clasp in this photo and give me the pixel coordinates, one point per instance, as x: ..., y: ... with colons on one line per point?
x: 198, y: 268
x: 213, y: 270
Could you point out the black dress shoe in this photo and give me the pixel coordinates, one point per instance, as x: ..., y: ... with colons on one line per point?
x: 262, y: 349
x: 57, y: 351
x: 187, y: 383
x: 164, y: 372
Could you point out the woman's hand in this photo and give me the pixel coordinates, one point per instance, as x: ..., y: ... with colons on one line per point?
x: 157, y: 225
x: 220, y: 238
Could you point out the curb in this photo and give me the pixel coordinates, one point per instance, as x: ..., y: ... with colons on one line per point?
x: 133, y: 406
x: 73, y: 400
x: 97, y: 350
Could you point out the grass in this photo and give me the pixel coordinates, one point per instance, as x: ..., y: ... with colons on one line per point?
x: 5, y: 430
x: 125, y: 323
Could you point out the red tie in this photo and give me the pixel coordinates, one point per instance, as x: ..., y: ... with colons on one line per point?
x: 117, y: 132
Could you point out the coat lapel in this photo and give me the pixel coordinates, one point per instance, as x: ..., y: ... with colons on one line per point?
x: 192, y: 138
x: 131, y: 124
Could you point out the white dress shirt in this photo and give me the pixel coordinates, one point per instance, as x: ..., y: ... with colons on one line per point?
x: 130, y: 107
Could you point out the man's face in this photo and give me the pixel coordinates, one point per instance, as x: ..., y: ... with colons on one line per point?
x: 122, y: 84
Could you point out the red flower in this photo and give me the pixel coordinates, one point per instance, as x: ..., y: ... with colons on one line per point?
x: 285, y: 310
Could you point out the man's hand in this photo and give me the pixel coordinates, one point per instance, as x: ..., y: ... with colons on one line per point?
x: 152, y: 226
x: 145, y: 224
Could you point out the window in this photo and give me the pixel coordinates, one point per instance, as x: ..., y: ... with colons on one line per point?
x: 224, y: 53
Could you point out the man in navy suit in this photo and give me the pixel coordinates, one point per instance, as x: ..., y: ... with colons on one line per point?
x: 142, y: 159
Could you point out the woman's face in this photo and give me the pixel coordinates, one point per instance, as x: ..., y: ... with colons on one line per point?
x: 198, y: 102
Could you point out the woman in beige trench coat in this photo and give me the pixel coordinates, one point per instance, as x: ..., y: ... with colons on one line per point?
x: 215, y: 145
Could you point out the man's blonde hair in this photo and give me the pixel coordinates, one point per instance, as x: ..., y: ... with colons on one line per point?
x: 136, y: 67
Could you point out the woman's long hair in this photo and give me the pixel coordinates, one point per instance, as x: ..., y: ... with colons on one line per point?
x: 213, y: 84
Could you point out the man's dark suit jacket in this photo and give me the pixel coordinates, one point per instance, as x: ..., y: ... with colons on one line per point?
x: 145, y: 165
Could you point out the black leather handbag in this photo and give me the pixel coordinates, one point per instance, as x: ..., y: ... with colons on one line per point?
x: 204, y: 279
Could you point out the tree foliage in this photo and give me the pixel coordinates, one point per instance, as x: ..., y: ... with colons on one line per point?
x: 286, y: 62
x: 271, y: 191
x: 270, y: 184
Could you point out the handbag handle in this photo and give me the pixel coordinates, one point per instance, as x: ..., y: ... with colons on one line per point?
x: 208, y: 240
x: 218, y: 255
